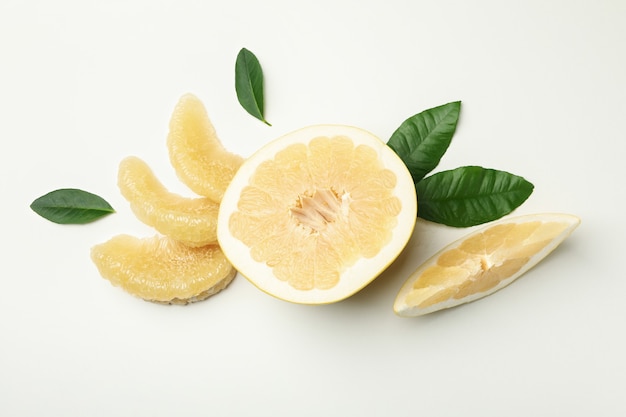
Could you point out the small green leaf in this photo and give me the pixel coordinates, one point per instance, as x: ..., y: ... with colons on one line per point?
x: 249, y: 84
x: 422, y: 139
x: 470, y: 195
x: 71, y: 206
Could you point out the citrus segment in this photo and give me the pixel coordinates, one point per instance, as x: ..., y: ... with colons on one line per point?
x: 317, y: 214
x: 482, y: 262
x: 192, y: 221
x: 161, y: 269
x: 196, y: 153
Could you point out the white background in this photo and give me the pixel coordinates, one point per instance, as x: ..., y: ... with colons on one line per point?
x: 85, y: 83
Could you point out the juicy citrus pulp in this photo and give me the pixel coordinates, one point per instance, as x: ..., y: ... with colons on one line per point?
x: 161, y: 269
x: 317, y: 214
x: 482, y: 262
x: 192, y: 221
x: 185, y: 263
x: 196, y: 153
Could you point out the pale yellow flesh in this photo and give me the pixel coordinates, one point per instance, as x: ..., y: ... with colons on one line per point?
x: 185, y: 264
x: 315, y: 209
x: 162, y: 270
x: 192, y: 221
x: 196, y: 153
x: 482, y: 263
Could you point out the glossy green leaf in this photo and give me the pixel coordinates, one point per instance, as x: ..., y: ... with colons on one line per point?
x: 422, y: 139
x: 470, y: 195
x: 71, y: 206
x: 249, y: 84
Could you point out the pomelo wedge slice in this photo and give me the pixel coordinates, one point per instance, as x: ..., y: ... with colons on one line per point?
x: 196, y: 153
x: 162, y: 270
x: 482, y: 262
x: 192, y: 221
x: 317, y: 214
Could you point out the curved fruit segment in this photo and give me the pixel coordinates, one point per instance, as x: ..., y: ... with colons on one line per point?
x: 196, y: 153
x: 192, y: 221
x: 162, y: 270
x: 317, y: 214
x: 482, y: 262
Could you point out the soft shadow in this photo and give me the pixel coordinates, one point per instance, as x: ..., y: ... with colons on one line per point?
x: 426, y: 240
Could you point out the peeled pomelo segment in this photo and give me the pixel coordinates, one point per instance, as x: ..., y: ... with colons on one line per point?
x: 192, y: 221
x: 162, y: 270
x: 317, y: 214
x: 482, y: 262
x: 196, y: 153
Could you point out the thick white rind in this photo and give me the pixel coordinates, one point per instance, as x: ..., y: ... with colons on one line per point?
x: 364, y: 270
x: 404, y: 310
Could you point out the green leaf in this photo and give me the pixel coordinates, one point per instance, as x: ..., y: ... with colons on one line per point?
x: 470, y: 195
x: 249, y: 84
x: 71, y: 206
x: 422, y: 139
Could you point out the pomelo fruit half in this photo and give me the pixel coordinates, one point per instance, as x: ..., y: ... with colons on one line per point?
x: 317, y: 214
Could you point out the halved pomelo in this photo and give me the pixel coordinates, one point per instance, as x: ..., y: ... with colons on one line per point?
x: 317, y: 214
x: 196, y: 153
x: 162, y: 270
x: 192, y: 221
x: 482, y: 262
